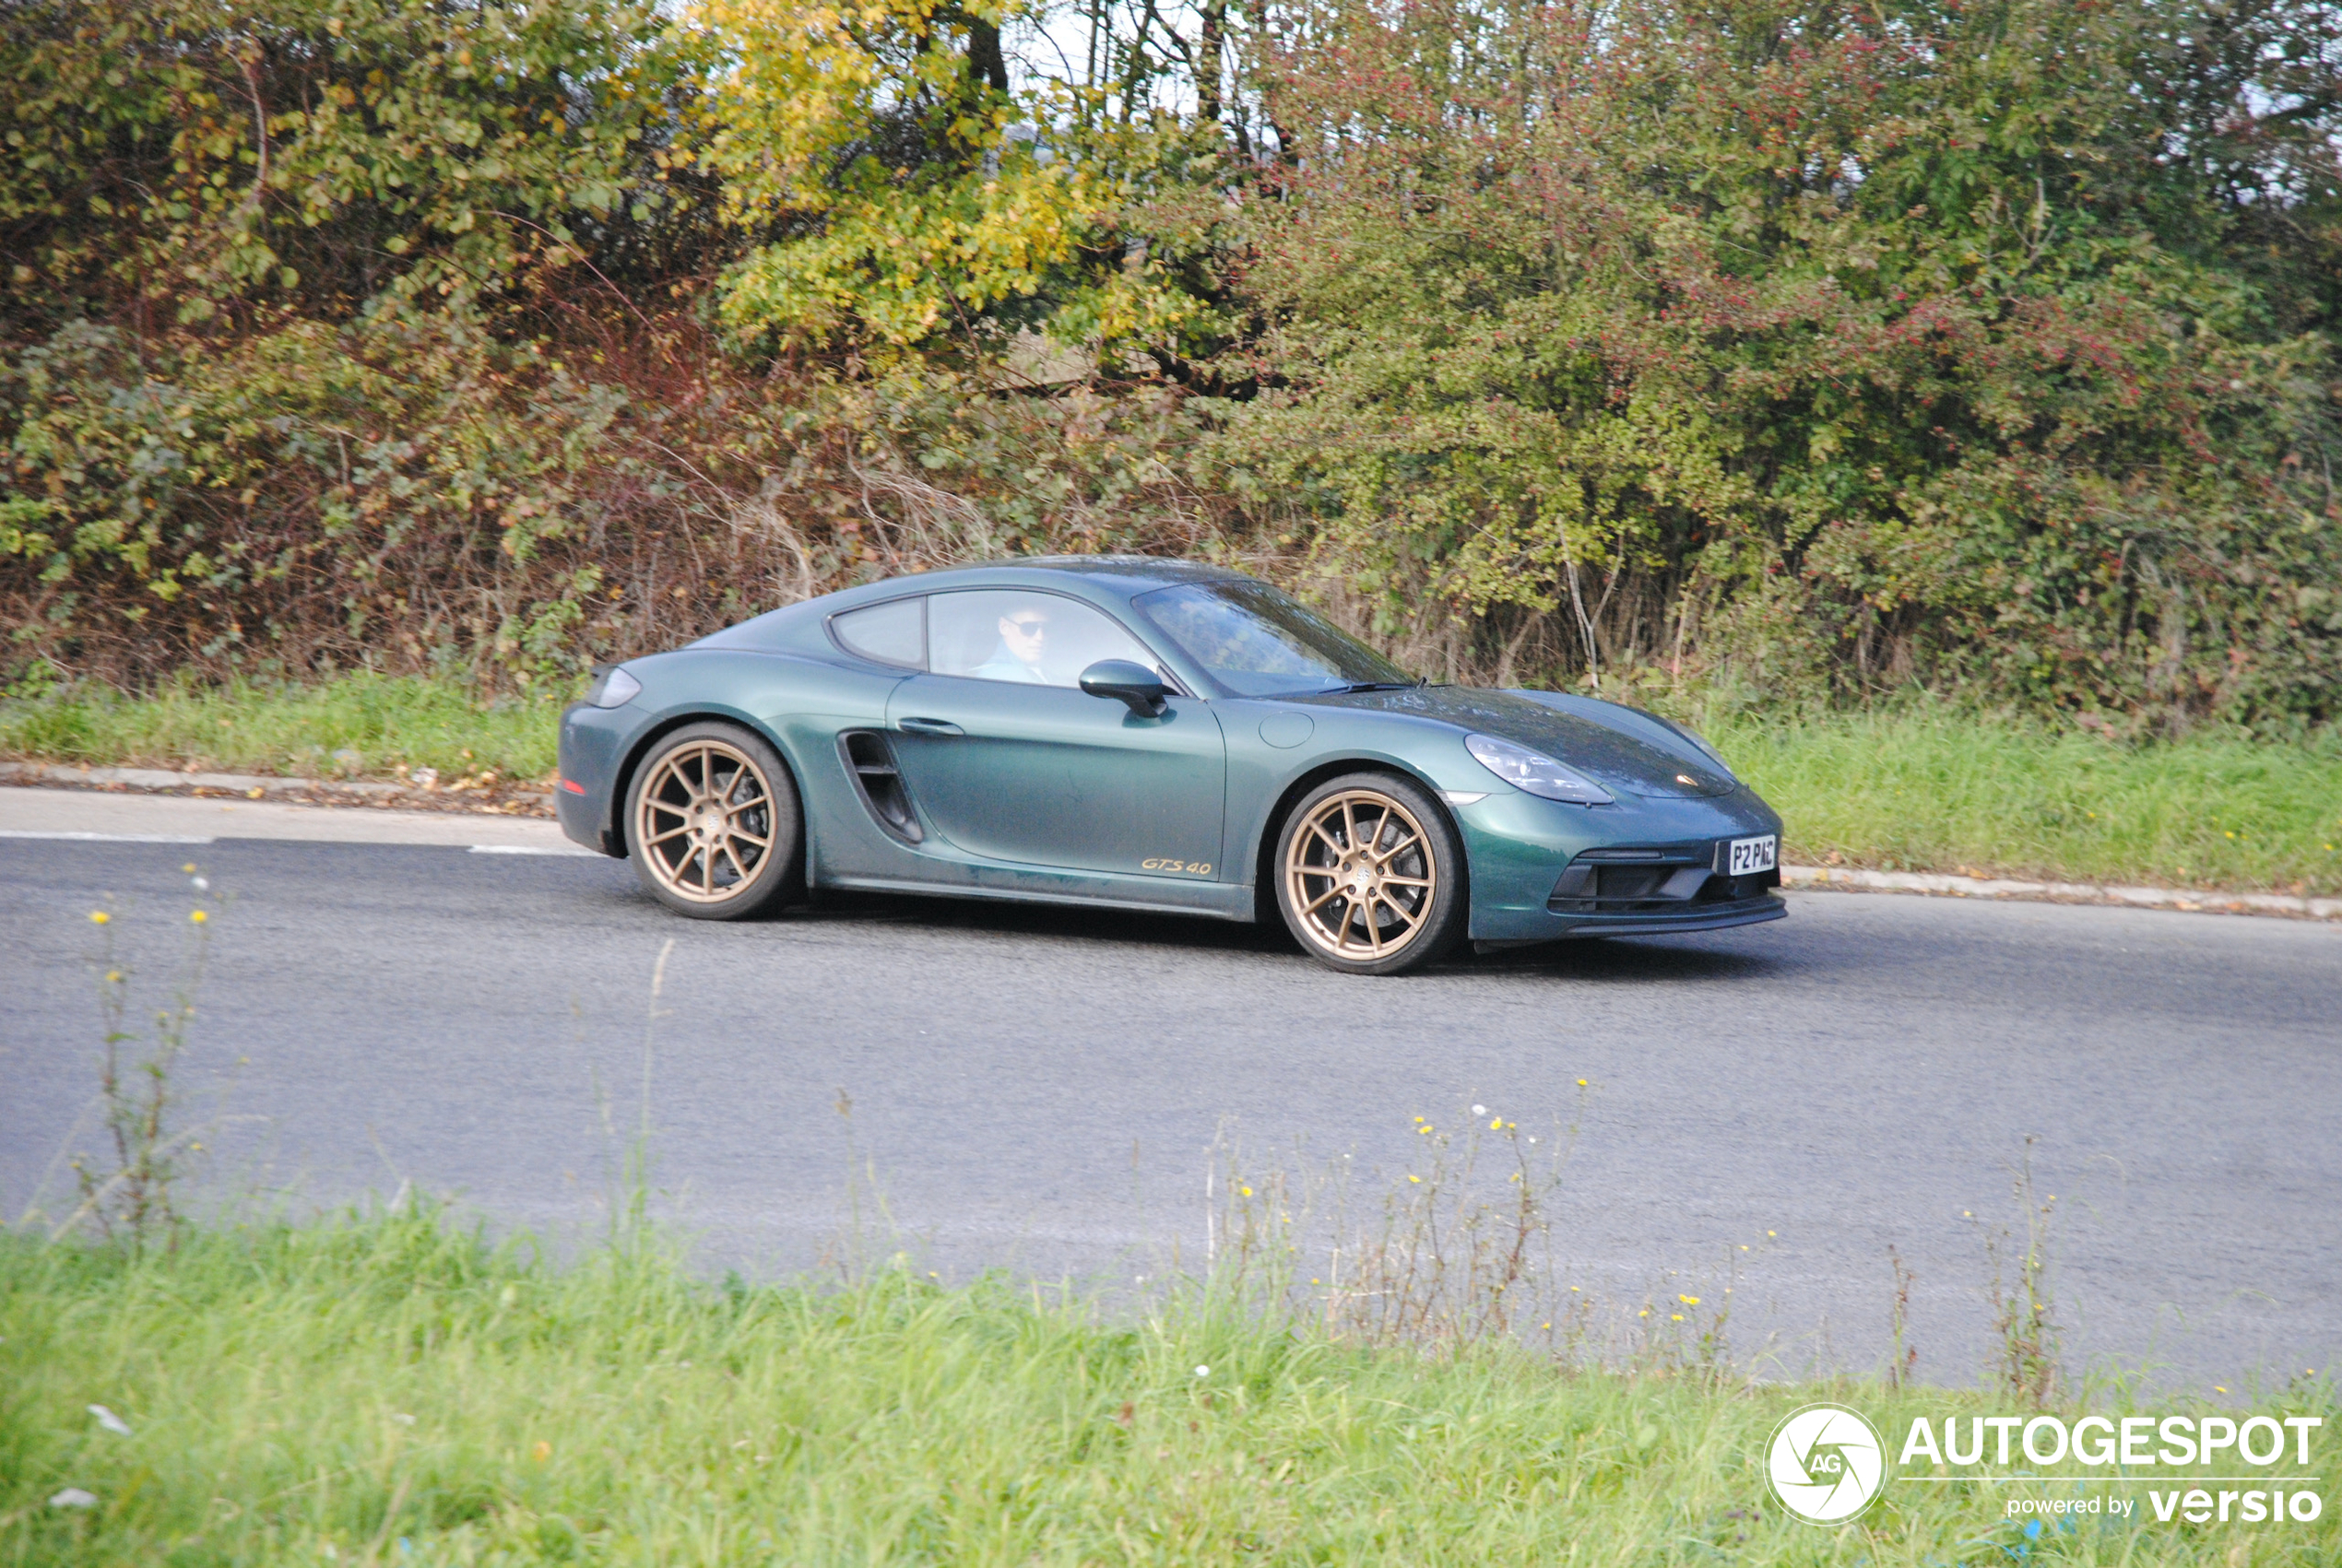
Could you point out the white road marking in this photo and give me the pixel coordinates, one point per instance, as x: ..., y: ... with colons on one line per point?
x: 530, y: 849
x: 190, y: 838
x: 106, y: 838
x: 98, y: 814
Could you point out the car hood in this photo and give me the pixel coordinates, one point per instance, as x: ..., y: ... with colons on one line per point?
x: 1617, y: 747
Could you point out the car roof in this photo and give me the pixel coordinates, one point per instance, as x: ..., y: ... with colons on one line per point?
x: 1127, y: 573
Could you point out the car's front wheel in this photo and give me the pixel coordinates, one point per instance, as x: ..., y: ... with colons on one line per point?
x: 712, y: 823
x: 1370, y: 875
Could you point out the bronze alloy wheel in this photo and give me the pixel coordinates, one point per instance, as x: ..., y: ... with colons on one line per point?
x: 1361, y: 877
x: 704, y: 820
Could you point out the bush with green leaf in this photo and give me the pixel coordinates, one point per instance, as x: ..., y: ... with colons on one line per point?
x: 1744, y: 354
x: 1832, y: 346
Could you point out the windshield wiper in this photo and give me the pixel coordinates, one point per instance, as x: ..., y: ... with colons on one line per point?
x: 1355, y: 687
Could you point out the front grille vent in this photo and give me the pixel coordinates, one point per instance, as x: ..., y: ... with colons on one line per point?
x: 1651, y: 880
x: 872, y: 763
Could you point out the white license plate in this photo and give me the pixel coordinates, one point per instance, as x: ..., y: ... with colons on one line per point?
x: 1754, y: 855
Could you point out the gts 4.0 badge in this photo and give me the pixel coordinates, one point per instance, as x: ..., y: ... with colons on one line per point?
x: 1177, y: 867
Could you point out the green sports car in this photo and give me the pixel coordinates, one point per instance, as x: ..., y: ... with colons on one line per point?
x: 1151, y: 735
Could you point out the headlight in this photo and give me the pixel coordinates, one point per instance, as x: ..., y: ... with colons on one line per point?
x: 1535, y: 772
x: 613, y: 689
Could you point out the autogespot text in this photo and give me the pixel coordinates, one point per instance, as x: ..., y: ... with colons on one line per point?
x: 2259, y: 1447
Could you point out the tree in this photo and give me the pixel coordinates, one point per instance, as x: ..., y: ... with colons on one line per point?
x: 908, y: 197
x: 1882, y: 340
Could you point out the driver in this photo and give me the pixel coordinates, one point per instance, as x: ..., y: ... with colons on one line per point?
x: 1024, y: 639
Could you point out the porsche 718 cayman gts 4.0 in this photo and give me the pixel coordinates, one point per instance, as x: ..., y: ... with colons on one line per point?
x: 1151, y: 735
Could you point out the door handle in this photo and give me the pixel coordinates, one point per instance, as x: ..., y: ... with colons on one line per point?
x: 928, y: 727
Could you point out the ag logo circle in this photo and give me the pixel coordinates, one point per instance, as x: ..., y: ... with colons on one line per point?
x: 1825, y: 1463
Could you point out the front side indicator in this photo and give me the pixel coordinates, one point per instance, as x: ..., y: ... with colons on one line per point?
x: 572, y: 787
x: 613, y: 689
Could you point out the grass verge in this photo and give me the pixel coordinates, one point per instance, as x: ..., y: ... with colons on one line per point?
x: 1898, y: 789
x: 1938, y: 790
x: 358, y: 725
x: 391, y: 1388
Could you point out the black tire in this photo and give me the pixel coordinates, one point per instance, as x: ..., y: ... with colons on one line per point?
x: 1396, y: 907
x: 698, y: 805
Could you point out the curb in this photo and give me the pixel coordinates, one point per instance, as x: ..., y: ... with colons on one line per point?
x: 1834, y: 880
x: 307, y: 792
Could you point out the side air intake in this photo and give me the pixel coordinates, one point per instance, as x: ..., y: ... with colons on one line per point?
x: 876, y: 778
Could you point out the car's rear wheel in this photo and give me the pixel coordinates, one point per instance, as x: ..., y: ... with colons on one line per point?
x: 1370, y: 875
x: 712, y: 823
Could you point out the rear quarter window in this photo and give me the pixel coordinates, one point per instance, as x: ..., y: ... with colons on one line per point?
x: 892, y: 633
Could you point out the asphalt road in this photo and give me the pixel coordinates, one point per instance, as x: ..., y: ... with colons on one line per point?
x: 1040, y: 1091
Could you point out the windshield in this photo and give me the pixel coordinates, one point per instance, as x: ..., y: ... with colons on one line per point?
x: 1258, y: 642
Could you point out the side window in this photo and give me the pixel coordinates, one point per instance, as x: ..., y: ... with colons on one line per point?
x: 893, y: 633
x: 1040, y: 639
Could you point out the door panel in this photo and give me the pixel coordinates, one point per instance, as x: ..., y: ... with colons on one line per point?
x: 1048, y: 775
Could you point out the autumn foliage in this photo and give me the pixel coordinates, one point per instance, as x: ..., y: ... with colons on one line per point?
x: 1769, y: 351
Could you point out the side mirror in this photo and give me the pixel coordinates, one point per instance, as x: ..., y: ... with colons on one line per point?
x: 1132, y: 683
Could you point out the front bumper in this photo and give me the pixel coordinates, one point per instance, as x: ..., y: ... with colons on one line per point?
x: 1541, y: 871
x: 592, y: 742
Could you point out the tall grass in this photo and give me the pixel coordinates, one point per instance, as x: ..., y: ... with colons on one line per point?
x: 393, y: 1388
x: 1943, y: 790
x: 1914, y: 789
x: 386, y: 1385
x: 359, y: 725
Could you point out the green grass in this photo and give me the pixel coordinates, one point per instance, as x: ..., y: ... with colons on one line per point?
x: 1912, y: 790
x: 291, y: 731
x: 1942, y: 791
x: 390, y: 1389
